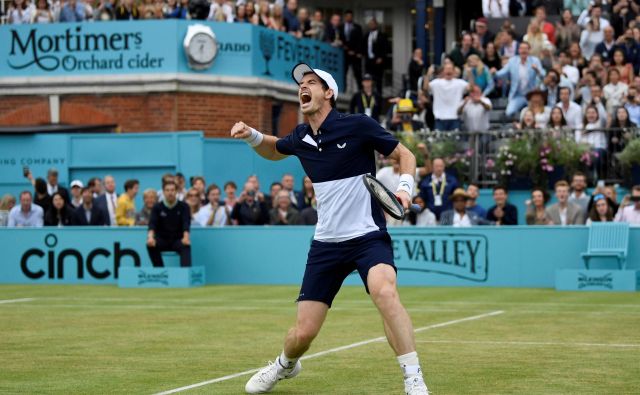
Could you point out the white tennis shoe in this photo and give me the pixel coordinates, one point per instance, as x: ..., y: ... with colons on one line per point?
x: 415, y: 386
x: 268, y: 377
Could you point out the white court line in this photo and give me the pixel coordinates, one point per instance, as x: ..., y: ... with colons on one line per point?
x: 529, y: 343
x: 6, y: 301
x: 332, y: 350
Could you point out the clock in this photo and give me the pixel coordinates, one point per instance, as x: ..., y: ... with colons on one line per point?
x: 200, y: 46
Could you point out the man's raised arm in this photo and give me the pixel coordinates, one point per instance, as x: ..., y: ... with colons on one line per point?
x: 265, y: 146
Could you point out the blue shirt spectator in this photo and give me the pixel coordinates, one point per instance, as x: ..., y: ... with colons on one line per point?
x: 436, y: 188
x: 72, y: 11
x: 26, y: 214
x: 291, y: 22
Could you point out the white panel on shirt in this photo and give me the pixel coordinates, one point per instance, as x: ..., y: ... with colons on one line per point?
x: 344, y: 210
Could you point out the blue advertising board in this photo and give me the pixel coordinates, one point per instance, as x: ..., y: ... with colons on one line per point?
x: 143, y: 47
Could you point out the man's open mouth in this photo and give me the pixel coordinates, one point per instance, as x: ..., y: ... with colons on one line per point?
x: 305, y: 97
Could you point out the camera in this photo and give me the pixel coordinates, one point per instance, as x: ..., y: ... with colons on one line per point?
x: 251, y: 193
x: 25, y: 171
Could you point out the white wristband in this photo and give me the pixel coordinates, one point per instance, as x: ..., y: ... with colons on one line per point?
x: 255, y: 139
x: 406, y: 184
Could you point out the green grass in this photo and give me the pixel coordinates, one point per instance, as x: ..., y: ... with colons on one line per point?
x: 105, y: 340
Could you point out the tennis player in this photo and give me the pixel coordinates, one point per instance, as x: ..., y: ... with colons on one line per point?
x: 335, y: 151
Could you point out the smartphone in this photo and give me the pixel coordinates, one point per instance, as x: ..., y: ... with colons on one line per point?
x: 600, y: 184
x: 25, y: 171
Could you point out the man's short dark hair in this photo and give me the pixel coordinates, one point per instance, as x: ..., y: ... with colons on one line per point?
x: 230, y: 184
x: 92, y: 182
x: 348, y: 12
x: 40, y: 185
x: 561, y: 183
x: 179, y: 175
x: 87, y: 188
x: 211, y: 188
x: 473, y: 184
x: 196, y: 178
x: 276, y: 183
x: 578, y: 174
x: 26, y: 193
x: 500, y: 187
x: 166, y: 177
x: 169, y: 182
x: 130, y: 184
x: 562, y: 88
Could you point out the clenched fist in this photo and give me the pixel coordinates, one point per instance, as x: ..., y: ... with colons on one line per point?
x: 240, y: 131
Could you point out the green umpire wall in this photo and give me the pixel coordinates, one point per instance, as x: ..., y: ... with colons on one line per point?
x: 481, y: 256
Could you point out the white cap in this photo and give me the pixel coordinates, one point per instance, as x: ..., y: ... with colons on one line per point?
x: 77, y: 183
x: 301, y: 69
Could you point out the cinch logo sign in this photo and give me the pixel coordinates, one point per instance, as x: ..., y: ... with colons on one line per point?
x: 460, y: 255
x: 76, y: 50
x: 99, y: 263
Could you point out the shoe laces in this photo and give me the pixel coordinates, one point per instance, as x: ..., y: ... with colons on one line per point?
x: 417, y: 382
x: 269, y: 373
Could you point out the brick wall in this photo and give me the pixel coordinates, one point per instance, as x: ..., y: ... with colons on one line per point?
x: 212, y: 113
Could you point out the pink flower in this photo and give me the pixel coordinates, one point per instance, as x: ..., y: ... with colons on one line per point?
x: 490, y: 164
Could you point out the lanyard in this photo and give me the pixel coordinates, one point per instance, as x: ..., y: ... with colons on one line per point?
x: 371, y: 103
x: 442, y: 185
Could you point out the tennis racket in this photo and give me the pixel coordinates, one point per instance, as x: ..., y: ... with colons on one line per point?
x: 387, y: 199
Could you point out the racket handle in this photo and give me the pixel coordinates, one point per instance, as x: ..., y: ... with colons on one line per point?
x: 415, y: 208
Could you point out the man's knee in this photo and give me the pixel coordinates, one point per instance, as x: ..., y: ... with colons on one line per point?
x: 305, y: 332
x: 384, y: 291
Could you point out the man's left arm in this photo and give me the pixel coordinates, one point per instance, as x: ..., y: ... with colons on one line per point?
x: 407, y: 162
x: 510, y: 215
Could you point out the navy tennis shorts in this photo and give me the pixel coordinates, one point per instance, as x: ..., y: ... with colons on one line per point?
x: 328, y: 264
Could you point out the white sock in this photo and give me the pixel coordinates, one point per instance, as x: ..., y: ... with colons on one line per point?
x: 286, y: 362
x: 410, y: 364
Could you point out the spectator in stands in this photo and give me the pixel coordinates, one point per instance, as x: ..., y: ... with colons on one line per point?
x: 96, y: 186
x: 230, y: 198
x: 537, y: 101
x: 565, y: 212
x: 423, y: 217
x: 270, y: 200
x: 147, y: 9
x: 491, y: 58
x: 607, y: 46
x: 630, y: 213
x: 169, y: 228
x: 476, y: 73
x: 403, y: 119
x: 615, y: 91
x: 53, y: 185
x: 180, y: 12
x: 89, y: 214
x: 212, y: 214
x: 436, y: 188
x: 582, y: 92
x: 27, y: 214
x: 149, y: 199
x: 367, y: 101
x: 593, y: 12
x: 590, y: 38
x: 318, y: 27
x: 389, y: 175
x: 240, y: 14
x: 19, y: 12
x: 199, y: 184
x: 567, y: 69
x: 283, y: 213
x: 520, y: 7
x: 416, y: 69
x: 60, y: 213
x: 612, y: 197
x: 181, y: 183
x: 474, y: 110
x: 461, y: 52
x: 168, y: 8
x: 624, y: 69
x: 287, y: 185
x: 333, y: 33
x: 596, y: 101
x: 524, y: 72
x: 621, y: 126
x: 631, y: 48
x: 507, y: 45
x: 540, y: 15
x: 109, y: 200
x: 447, y: 94
x: 105, y: 11
x: 536, y: 38
x: 495, y: 8
x: 376, y: 53
x: 7, y: 202
x: 632, y: 105
x: 126, y: 206
x: 41, y: 197
x: 250, y: 11
x: 484, y: 34
x: 220, y: 11
x: 567, y: 31
x: 550, y: 86
x: 277, y: 18
x: 503, y: 212
x: 473, y: 191
x: 353, y: 51
x: 166, y: 177
x: 73, y: 11
x: 309, y: 215
x: 290, y: 12
x: 624, y: 12
x: 593, y: 135
x: 304, y: 23
x: 557, y: 122
x: 193, y: 201
x: 600, y: 211
x: 528, y: 121
x: 76, y: 193
x: 536, y: 208
x: 249, y: 210
x: 264, y: 14
x: 306, y: 195
x: 571, y: 110
x: 575, y: 56
x: 460, y: 216
x: 42, y: 13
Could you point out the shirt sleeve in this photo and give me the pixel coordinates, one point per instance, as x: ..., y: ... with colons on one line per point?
x: 153, y: 218
x: 381, y: 140
x: 186, y: 218
x: 286, y: 145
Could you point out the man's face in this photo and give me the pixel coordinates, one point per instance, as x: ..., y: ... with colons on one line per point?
x: 275, y: 188
x: 199, y: 185
x: 635, y: 196
x: 459, y: 204
x: 472, y: 191
x: 524, y: 50
x: 230, y: 191
x: 466, y: 41
x: 499, y: 196
x: 135, y: 189
x: 169, y: 192
x: 367, y: 84
x: 595, y: 90
x: 25, y: 202
x: 481, y: 28
x: 181, y: 182
x: 149, y: 200
x: 335, y: 20
x: 283, y: 200
x: 52, y: 178
x: 448, y: 71
x: 475, y: 93
x: 563, y: 59
x: 372, y: 24
x: 76, y: 192
x: 287, y: 182
x: 348, y: 17
x: 565, y: 96
x: 596, y: 13
x: 109, y: 184
x: 541, y: 14
x: 292, y: 4
x: 87, y: 197
x: 312, y: 95
x: 608, y: 33
x: 254, y: 181
x: 562, y: 194
x: 579, y: 183
x: 214, y: 196
x: 438, y: 167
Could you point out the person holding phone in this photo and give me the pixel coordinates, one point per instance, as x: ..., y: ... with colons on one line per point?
x: 631, y: 213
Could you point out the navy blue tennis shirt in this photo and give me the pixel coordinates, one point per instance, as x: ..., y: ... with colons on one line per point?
x: 335, y: 159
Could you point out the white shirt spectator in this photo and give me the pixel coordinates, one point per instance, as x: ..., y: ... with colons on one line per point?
x: 573, y: 115
x: 589, y: 41
x: 425, y: 218
x: 475, y: 116
x: 629, y: 215
x: 541, y: 118
x: 461, y: 221
x: 614, y: 95
x: 18, y: 218
x: 220, y: 13
x: 20, y: 16
x: 572, y: 73
x: 584, y: 18
x: 593, y: 135
x: 495, y: 8
x: 204, y: 214
x: 447, y: 95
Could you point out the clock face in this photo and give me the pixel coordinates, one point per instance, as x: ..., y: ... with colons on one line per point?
x: 202, y: 48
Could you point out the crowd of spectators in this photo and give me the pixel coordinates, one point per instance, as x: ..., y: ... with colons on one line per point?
x: 442, y: 200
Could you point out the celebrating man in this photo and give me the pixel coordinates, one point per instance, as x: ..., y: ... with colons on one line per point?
x: 335, y: 151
